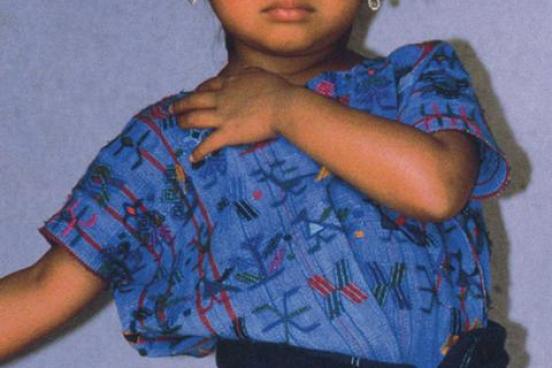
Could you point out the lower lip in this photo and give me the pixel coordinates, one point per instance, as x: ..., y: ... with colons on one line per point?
x: 288, y: 15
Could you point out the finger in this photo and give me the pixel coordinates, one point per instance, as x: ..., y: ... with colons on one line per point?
x: 213, y: 142
x: 194, y: 100
x: 202, y: 118
x: 211, y: 84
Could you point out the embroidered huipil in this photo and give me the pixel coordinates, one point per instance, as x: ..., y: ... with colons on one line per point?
x: 259, y: 241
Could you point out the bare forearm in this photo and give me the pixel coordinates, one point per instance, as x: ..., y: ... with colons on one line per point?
x: 392, y: 163
x: 19, y: 310
x: 38, y: 299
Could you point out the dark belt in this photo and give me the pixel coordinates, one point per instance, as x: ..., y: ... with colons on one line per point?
x: 478, y: 348
x: 249, y: 354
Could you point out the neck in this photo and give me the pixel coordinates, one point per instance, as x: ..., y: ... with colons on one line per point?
x: 297, y: 69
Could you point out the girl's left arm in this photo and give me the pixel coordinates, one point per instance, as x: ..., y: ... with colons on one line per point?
x: 425, y: 176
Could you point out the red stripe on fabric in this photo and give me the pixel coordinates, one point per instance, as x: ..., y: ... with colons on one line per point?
x: 88, y: 239
x: 119, y: 218
x: 321, y: 284
x: 314, y: 282
x: 350, y: 295
x: 126, y: 191
x: 327, y: 284
x: 354, y: 290
x: 202, y: 310
x: 359, y: 294
x: 507, y: 177
x: 148, y: 156
x: 226, y: 300
x: 157, y: 257
x: 224, y: 295
x: 439, y: 280
x: 214, y: 269
x: 426, y: 47
x: 141, y: 298
x: 499, y: 190
x: 133, y: 231
x: 53, y: 240
x: 151, y: 124
x: 469, y: 122
x: 317, y: 287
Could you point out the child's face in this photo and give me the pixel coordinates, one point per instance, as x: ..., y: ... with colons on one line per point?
x: 249, y: 22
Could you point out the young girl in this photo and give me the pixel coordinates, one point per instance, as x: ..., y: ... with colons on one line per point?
x: 307, y: 204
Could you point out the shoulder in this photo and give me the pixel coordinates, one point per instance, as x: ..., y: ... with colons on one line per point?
x: 157, y: 112
x: 152, y: 125
x: 414, y: 55
x: 434, y: 61
x: 149, y: 143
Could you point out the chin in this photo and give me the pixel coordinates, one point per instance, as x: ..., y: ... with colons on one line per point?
x: 288, y: 45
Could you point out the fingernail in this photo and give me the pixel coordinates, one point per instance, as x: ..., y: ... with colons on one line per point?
x: 191, y: 158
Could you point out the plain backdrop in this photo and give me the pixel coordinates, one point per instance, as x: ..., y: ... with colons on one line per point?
x: 73, y: 72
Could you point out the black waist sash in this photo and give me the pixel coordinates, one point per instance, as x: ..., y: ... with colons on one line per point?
x: 477, y: 348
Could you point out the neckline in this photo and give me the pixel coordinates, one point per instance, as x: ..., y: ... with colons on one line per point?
x: 337, y: 73
x: 324, y: 75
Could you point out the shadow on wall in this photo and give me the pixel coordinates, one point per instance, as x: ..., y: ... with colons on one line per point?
x: 520, y: 171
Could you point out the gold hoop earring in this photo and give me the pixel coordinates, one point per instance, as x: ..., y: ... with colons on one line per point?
x: 373, y: 4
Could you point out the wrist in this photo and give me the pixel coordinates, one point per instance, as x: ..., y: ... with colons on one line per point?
x: 288, y: 103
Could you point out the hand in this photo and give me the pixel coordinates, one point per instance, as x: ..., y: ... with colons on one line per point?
x: 245, y: 107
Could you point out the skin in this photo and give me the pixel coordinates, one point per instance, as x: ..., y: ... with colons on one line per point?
x: 296, y: 51
x: 266, y: 70
x: 40, y: 299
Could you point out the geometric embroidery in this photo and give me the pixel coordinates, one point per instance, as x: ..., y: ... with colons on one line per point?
x: 384, y: 284
x: 151, y: 224
x: 285, y: 316
x: 332, y: 293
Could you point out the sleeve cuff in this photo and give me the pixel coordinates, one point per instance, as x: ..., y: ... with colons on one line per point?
x: 92, y: 262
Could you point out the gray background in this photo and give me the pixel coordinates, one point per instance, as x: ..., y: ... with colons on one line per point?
x: 73, y: 72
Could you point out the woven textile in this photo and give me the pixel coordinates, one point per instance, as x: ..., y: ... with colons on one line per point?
x: 260, y: 242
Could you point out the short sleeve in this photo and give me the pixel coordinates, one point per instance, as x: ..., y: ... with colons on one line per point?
x: 134, y: 219
x: 436, y: 93
x: 102, y: 209
x: 122, y: 208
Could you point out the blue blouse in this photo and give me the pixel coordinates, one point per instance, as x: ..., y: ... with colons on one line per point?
x: 259, y: 241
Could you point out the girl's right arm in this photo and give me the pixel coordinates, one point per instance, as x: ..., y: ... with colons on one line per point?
x: 36, y: 300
